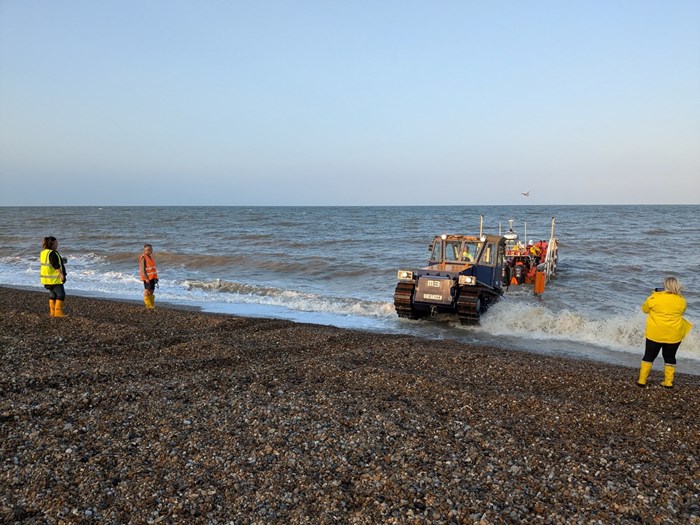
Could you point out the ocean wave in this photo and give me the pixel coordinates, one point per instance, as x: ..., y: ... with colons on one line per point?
x: 270, y: 261
x: 292, y: 299
x: 624, y: 332
x: 71, y: 258
x: 74, y: 263
x: 274, y: 262
x: 115, y: 257
x: 80, y: 260
x: 195, y: 261
x: 15, y: 260
x: 657, y: 232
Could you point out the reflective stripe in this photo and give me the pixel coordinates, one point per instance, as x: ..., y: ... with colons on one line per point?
x: 48, y: 274
x: 150, y: 268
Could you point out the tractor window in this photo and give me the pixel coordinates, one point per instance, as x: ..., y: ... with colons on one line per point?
x: 487, y: 258
x: 437, y: 251
x: 469, y: 251
x: 452, y: 251
x: 500, y: 259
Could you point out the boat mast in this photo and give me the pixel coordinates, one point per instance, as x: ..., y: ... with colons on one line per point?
x: 550, y: 259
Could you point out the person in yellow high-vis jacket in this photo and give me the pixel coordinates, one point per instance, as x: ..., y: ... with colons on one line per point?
x: 665, y: 329
x: 149, y: 276
x: 53, y: 273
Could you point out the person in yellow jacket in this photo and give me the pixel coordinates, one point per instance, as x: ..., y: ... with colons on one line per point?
x: 53, y: 273
x: 149, y: 276
x: 665, y: 329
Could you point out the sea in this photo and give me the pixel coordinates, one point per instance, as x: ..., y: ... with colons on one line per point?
x: 337, y: 266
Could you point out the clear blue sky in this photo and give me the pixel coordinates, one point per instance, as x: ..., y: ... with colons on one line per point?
x: 292, y: 102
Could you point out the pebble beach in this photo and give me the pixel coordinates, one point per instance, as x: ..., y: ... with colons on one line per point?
x: 120, y: 415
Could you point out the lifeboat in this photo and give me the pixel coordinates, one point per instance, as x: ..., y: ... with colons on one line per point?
x: 532, y: 262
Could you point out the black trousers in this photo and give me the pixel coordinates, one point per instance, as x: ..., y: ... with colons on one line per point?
x: 651, y: 351
x: 56, y: 291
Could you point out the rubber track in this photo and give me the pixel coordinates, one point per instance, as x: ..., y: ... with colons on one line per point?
x: 402, y: 300
x: 467, y: 306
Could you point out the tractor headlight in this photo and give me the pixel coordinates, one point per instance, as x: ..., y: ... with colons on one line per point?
x: 405, y: 275
x: 469, y: 280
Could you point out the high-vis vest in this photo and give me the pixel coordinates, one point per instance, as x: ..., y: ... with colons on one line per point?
x: 48, y: 274
x: 150, y: 268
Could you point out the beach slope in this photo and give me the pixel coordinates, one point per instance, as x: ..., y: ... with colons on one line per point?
x: 120, y: 415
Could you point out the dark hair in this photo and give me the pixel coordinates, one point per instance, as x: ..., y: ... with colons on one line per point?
x: 48, y: 241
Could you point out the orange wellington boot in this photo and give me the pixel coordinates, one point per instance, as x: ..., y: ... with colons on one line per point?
x: 58, y: 310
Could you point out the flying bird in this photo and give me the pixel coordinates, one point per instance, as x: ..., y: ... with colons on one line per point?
x: 526, y: 194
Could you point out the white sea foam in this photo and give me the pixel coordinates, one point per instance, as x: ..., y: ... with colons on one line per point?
x: 292, y: 299
x: 84, y: 259
x: 623, y: 332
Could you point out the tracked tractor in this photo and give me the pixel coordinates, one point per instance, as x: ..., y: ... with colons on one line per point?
x: 463, y: 276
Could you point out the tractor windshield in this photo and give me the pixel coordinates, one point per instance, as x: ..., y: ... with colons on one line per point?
x: 452, y: 251
x: 455, y: 251
x: 470, y: 250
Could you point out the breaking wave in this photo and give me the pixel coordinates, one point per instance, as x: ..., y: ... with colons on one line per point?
x: 295, y: 300
x: 620, y: 332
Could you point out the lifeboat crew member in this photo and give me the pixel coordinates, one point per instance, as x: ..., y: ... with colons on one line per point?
x: 466, y: 255
x: 665, y: 329
x: 534, y: 250
x: 518, y: 272
x: 542, y: 245
x: 53, y: 275
x: 530, y: 275
x: 149, y: 276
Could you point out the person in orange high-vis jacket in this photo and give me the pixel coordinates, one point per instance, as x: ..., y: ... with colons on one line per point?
x: 665, y: 329
x: 149, y: 276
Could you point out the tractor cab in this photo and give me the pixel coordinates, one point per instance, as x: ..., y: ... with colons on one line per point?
x: 463, y: 276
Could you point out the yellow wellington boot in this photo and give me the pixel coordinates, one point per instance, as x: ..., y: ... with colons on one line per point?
x: 149, y: 300
x: 153, y: 302
x: 52, y: 307
x: 58, y: 309
x: 644, y: 373
x: 669, y: 370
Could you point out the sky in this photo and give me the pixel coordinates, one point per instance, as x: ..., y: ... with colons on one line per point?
x: 381, y: 102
